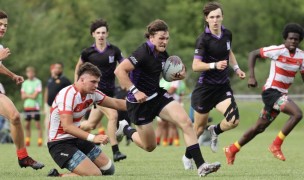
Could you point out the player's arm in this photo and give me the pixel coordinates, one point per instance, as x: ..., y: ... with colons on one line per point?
x: 253, y: 55
x: 198, y: 65
x: 235, y: 66
x: 4, y: 53
x: 68, y: 127
x: 45, y: 95
x: 79, y: 63
x: 118, y: 104
x: 7, y: 72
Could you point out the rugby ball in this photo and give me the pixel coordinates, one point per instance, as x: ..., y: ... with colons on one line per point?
x: 172, y: 66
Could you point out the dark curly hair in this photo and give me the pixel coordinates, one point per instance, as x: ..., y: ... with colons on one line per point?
x: 154, y: 26
x: 97, y: 24
x: 294, y: 28
x: 89, y: 68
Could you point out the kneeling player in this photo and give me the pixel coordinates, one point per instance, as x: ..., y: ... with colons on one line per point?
x: 69, y: 146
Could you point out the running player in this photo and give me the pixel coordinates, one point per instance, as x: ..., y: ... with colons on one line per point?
x: 286, y: 61
x: 31, y: 93
x: 71, y: 147
x: 140, y: 75
x: 105, y: 56
x: 7, y: 107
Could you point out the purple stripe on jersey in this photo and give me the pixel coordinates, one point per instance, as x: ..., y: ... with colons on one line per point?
x: 94, y: 45
x: 198, y: 57
x: 151, y: 46
x: 207, y: 30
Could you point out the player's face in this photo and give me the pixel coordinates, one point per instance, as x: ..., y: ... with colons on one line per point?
x: 215, y: 19
x: 30, y: 74
x: 292, y: 41
x: 89, y: 83
x: 57, y: 69
x: 3, y: 26
x: 160, y: 40
x: 100, y: 35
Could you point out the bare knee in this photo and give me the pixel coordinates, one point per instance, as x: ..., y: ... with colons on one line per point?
x: 149, y: 148
x: 15, y: 118
x: 298, y: 116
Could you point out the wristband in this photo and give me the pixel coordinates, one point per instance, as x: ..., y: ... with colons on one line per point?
x: 131, y: 88
x: 212, y: 65
x: 134, y: 91
x: 90, y: 137
x: 236, y: 67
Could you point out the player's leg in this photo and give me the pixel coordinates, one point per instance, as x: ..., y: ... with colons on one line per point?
x: 27, y: 127
x: 8, y: 110
x: 38, y: 126
x: 94, y: 118
x: 175, y: 113
x: 112, y: 117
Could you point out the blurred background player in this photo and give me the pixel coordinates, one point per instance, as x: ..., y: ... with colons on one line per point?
x: 5, y: 136
x: 7, y: 107
x: 70, y: 146
x: 105, y: 56
x: 167, y: 130
x: 31, y: 94
x: 54, y: 84
x: 286, y: 61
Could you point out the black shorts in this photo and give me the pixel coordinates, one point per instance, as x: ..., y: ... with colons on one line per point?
x: 32, y: 114
x: 269, y: 97
x: 62, y: 151
x: 144, y: 113
x: 205, y: 97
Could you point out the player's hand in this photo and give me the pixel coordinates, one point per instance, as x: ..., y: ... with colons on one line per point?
x: 140, y: 96
x: 240, y: 73
x: 18, y: 79
x: 4, y: 53
x: 180, y: 75
x: 102, y: 139
x: 252, y: 82
x: 221, y: 65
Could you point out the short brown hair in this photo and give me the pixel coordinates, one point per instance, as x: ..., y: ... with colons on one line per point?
x: 211, y: 6
x: 154, y: 26
x: 88, y: 68
x: 3, y: 15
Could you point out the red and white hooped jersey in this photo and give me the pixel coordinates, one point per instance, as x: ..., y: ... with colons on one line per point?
x: 70, y: 101
x: 283, y: 68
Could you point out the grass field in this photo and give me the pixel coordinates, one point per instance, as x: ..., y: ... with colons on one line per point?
x: 252, y: 162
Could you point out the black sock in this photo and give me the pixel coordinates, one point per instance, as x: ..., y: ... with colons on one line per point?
x: 217, y: 129
x: 115, y: 148
x: 187, y: 154
x: 128, y: 131
x: 196, y: 153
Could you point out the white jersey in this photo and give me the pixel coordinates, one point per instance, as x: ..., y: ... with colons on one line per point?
x: 283, y: 68
x: 70, y: 101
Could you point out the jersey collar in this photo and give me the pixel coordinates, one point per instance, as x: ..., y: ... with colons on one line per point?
x: 207, y: 31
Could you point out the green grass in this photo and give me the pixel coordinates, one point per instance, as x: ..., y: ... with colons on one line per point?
x: 252, y: 162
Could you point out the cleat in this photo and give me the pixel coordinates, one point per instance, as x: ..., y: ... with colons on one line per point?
x: 230, y: 156
x: 187, y: 163
x: 53, y: 173
x: 276, y: 151
x: 119, y: 156
x: 119, y: 133
x: 207, y: 168
x: 29, y: 162
x: 214, y: 138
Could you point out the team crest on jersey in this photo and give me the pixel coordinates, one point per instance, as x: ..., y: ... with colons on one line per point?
x: 111, y: 59
x: 228, y: 93
x: 196, y: 51
x: 228, y: 45
x: 133, y: 59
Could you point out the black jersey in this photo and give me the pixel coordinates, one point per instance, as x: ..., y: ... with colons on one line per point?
x: 106, y: 62
x: 54, y: 85
x: 148, y: 67
x: 210, y: 48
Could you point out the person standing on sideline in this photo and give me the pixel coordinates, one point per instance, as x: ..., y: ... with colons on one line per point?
x: 55, y: 83
x: 31, y: 93
x: 105, y: 56
x: 212, y: 56
x: 140, y: 75
x: 71, y: 147
x: 286, y: 61
x: 7, y: 107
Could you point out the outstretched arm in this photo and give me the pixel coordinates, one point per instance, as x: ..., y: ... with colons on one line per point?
x: 7, y: 72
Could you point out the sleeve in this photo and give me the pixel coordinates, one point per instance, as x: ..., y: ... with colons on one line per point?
x: 99, y: 97
x: 118, y: 55
x: 136, y: 58
x: 271, y: 52
x: 199, y: 48
x: 84, y: 55
x: 64, y: 102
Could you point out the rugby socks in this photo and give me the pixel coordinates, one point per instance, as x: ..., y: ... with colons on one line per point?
x: 195, y: 152
x: 279, y: 139
x: 128, y: 131
x: 176, y: 141
x: 158, y: 140
x: 165, y: 142
x: 22, y: 153
x: 27, y: 141
x: 39, y: 142
x: 101, y: 131
x: 217, y: 129
x: 115, y: 148
x: 234, y: 148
